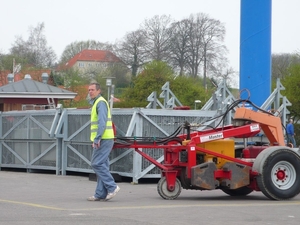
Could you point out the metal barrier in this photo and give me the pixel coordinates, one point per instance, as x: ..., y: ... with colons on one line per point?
x: 59, y: 139
x: 73, y: 129
x: 25, y: 140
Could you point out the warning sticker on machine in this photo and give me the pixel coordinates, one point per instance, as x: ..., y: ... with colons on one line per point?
x: 254, y: 127
x: 211, y: 137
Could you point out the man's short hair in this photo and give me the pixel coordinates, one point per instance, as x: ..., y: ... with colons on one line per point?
x: 97, y: 85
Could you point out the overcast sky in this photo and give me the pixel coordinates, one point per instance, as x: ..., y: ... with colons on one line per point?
x: 67, y: 21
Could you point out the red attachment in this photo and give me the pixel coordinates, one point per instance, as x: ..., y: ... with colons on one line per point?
x: 253, y: 151
x: 253, y: 184
x: 245, y: 131
x: 182, y: 108
x: 184, y: 157
x: 146, y: 156
x: 222, y: 174
x: 171, y: 179
x: 229, y: 131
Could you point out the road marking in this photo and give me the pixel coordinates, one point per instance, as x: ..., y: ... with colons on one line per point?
x: 31, y: 204
x: 186, y: 206
x: 103, y: 208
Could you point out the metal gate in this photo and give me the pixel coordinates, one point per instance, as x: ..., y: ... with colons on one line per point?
x: 73, y: 129
x: 25, y: 140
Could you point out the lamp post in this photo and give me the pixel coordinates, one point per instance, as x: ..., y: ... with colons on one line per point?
x: 197, y: 102
x: 108, y: 85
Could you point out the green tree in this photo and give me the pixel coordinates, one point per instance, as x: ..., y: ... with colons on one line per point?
x: 6, y: 61
x: 58, y: 80
x: 72, y: 78
x: 119, y: 72
x: 281, y: 62
x: 74, y: 82
x: 188, y: 89
x: 154, y: 75
x: 291, y: 82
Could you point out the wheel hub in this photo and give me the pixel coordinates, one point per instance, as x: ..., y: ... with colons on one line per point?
x: 280, y: 175
x: 283, y: 175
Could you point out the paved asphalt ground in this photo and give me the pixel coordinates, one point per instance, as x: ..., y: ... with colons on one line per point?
x: 47, y: 199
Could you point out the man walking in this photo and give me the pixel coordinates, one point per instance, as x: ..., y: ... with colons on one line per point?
x: 102, y: 137
x: 291, y: 133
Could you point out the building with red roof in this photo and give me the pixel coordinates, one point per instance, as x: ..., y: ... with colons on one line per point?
x: 87, y: 59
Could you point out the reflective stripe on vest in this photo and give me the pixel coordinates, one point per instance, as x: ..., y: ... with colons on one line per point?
x: 108, y: 132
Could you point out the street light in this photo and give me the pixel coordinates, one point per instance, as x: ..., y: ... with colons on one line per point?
x: 108, y: 85
x: 197, y: 102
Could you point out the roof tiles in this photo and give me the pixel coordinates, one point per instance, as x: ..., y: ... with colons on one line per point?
x: 93, y: 55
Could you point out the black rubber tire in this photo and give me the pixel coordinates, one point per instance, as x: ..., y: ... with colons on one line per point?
x: 243, y: 191
x: 286, y: 162
x: 165, y: 193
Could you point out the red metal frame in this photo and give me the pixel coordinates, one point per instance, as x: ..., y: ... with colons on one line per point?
x: 253, y: 122
x: 172, y: 165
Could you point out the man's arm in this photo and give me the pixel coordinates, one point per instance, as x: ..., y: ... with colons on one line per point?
x: 102, y: 119
x: 288, y: 129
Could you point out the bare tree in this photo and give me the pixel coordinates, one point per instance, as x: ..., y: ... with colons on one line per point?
x: 223, y: 72
x: 281, y: 62
x: 205, y: 44
x: 75, y: 47
x: 195, y: 52
x: 157, y: 32
x: 119, y: 71
x: 131, y: 50
x: 213, y: 50
x: 179, y: 45
x: 35, y: 49
x: 193, y: 45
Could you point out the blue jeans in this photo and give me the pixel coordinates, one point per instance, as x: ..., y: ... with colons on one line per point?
x: 292, y: 140
x: 100, y: 164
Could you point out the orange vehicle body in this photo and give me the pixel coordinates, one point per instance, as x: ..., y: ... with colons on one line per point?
x: 271, y: 125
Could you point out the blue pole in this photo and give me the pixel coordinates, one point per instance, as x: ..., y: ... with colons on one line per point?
x: 255, y: 50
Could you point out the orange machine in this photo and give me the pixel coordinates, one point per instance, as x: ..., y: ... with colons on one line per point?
x: 271, y: 125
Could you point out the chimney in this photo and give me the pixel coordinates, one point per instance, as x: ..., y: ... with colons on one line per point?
x: 45, y: 78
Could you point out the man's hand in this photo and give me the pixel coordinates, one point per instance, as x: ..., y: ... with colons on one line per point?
x: 96, y: 145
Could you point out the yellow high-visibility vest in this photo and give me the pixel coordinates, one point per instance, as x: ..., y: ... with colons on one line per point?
x: 108, y: 132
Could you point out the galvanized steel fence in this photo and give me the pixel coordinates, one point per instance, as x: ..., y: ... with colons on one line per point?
x: 58, y: 139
